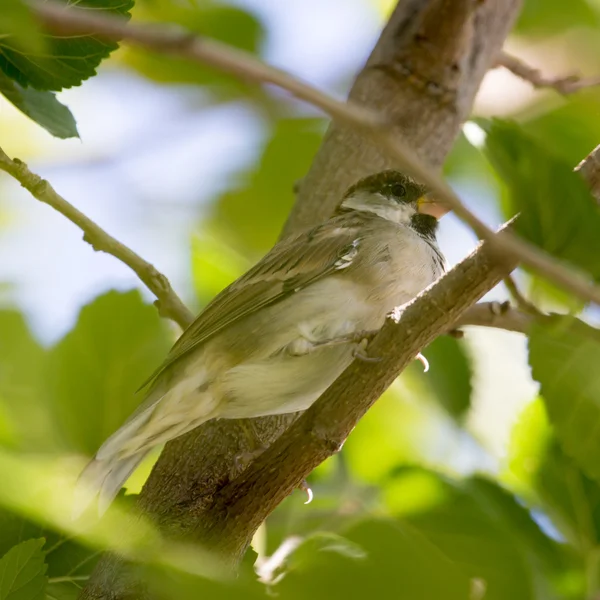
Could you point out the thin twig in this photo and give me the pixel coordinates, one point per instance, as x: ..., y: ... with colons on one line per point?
x: 168, y: 303
x: 499, y: 315
x: 563, y: 85
x: 176, y: 41
x: 515, y: 293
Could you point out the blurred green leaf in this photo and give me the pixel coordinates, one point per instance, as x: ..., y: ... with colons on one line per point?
x: 23, y: 393
x: 449, y: 378
x: 66, y: 60
x: 395, y: 431
x: 481, y: 527
x: 394, y: 557
x: 64, y: 590
x: 570, y: 497
x: 41, y: 107
x: 169, y: 584
x: 564, y: 354
x: 569, y: 127
x: 319, y: 542
x: 548, y: 17
x: 22, y: 572
x: 256, y: 211
x: 94, y: 371
x: 215, y: 264
x: 66, y: 559
x: 228, y: 24
x: 558, y: 212
x: 18, y: 25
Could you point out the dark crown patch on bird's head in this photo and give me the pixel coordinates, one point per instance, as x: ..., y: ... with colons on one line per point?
x: 390, y: 183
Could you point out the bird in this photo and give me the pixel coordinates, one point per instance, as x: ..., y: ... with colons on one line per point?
x: 276, y: 338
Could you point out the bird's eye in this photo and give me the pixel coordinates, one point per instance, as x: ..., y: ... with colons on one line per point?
x: 398, y: 190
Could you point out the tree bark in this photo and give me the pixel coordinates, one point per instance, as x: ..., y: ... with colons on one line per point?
x: 422, y: 76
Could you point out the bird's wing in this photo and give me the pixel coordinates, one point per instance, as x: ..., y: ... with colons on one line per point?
x: 289, y: 267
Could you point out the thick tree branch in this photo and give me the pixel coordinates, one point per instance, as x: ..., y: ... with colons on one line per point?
x: 69, y: 20
x: 564, y: 85
x: 168, y: 302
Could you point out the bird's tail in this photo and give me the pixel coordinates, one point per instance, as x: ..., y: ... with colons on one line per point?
x: 102, y: 479
x: 114, y: 462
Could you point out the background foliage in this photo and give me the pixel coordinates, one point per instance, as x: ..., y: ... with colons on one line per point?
x: 477, y: 480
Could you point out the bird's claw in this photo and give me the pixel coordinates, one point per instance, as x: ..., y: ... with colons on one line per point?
x: 423, y: 361
x: 306, y: 488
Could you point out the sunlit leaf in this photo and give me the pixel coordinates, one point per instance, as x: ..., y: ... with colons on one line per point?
x: 558, y: 212
x: 215, y: 264
x: 392, y: 433
x: 22, y: 572
x: 66, y: 60
x: 41, y: 107
x: 94, y: 371
x: 546, y: 17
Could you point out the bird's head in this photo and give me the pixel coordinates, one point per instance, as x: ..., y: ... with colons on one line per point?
x: 393, y: 196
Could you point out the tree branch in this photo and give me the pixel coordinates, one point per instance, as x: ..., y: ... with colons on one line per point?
x: 499, y: 315
x: 168, y: 303
x: 74, y: 21
x: 563, y: 85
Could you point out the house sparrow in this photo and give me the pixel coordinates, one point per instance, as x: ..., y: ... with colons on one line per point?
x: 275, y: 339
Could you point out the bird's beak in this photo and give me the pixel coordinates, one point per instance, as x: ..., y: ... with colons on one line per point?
x: 429, y: 206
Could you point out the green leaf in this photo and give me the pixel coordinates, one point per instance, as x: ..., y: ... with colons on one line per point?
x: 22, y: 572
x: 558, y: 212
x: 320, y: 542
x: 167, y: 584
x: 94, y: 371
x: 64, y: 590
x: 256, y: 210
x: 65, y: 557
x: 23, y: 391
x: 18, y: 26
x: 449, y: 377
x: 570, y: 127
x: 483, y: 528
x: 228, y: 24
x: 564, y: 354
x: 41, y: 107
x: 66, y: 60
